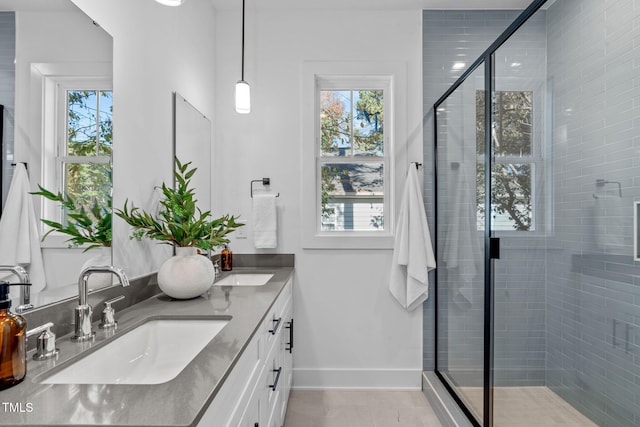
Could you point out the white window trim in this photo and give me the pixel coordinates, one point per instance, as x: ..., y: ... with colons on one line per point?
x: 395, y: 135
x: 54, y: 78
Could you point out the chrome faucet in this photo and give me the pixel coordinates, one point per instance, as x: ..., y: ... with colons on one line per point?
x: 83, y: 311
x: 25, y: 291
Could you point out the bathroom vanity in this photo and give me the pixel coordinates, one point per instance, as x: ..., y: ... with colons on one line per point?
x: 241, y: 377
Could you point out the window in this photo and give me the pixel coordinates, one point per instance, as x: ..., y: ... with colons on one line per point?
x: 77, y: 143
x: 85, y: 153
x: 351, y: 160
x: 353, y: 114
x: 516, y: 160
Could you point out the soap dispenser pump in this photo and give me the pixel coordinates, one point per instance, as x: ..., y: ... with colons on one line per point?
x: 13, y: 341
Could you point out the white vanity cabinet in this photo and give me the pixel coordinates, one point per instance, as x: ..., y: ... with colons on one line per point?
x: 256, y: 392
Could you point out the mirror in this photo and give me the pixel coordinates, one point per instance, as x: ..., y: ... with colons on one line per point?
x: 58, y: 125
x: 192, y: 143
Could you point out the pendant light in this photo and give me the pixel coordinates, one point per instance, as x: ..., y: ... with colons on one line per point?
x: 243, y: 91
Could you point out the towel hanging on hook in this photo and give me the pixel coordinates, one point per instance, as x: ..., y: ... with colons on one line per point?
x: 26, y: 166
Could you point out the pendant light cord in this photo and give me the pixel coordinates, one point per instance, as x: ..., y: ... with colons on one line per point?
x: 242, y: 73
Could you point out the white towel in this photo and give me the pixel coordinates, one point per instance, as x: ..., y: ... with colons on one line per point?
x: 265, y: 221
x: 461, y: 246
x: 19, y: 235
x: 413, y: 256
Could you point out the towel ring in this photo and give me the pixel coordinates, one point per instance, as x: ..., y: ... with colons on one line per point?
x: 265, y: 182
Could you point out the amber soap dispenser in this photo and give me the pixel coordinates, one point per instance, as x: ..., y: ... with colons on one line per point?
x: 227, y: 259
x: 13, y: 342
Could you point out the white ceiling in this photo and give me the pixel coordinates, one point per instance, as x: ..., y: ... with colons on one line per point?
x: 374, y: 4
x: 309, y: 4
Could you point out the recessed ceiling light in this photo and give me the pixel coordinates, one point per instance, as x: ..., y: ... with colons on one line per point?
x: 171, y: 2
x: 459, y: 65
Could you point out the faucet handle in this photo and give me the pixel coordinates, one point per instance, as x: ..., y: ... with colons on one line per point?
x: 46, y: 346
x: 109, y: 314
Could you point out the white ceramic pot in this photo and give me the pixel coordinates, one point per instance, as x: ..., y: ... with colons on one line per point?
x: 186, y: 275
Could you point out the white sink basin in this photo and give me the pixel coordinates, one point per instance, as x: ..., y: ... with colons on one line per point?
x: 245, y: 279
x: 153, y: 353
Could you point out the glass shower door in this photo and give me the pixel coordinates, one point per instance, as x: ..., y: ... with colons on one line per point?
x: 460, y: 296
x: 520, y: 219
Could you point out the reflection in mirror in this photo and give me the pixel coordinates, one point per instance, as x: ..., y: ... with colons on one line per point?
x: 193, y: 144
x: 57, y: 135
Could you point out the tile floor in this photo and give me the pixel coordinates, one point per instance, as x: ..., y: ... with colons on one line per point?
x: 355, y: 408
x: 515, y: 407
x: 530, y: 407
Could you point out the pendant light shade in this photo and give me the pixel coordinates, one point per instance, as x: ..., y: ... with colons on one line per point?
x: 243, y: 91
x: 243, y: 97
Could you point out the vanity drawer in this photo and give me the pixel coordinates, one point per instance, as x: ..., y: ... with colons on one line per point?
x: 272, y: 381
x: 275, y: 321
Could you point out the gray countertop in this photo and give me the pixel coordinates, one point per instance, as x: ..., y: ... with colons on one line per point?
x: 179, y: 402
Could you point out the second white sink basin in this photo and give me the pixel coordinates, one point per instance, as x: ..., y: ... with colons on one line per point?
x: 245, y: 279
x: 153, y: 353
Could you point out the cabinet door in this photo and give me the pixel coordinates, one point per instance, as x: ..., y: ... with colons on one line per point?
x: 286, y: 360
x: 251, y: 415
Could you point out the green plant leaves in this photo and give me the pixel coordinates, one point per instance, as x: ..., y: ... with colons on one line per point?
x: 180, y: 222
x: 93, y: 229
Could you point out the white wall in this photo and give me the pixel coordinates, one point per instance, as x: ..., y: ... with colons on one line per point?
x: 156, y: 50
x: 349, y: 331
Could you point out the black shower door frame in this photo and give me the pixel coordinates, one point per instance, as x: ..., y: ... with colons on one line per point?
x: 491, y: 244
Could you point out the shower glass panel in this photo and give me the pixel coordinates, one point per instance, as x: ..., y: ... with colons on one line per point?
x: 519, y: 209
x: 460, y: 297
x: 549, y: 333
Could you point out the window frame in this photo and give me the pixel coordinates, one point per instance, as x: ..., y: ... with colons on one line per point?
x: 63, y: 87
x: 333, y: 75
x: 54, y: 158
x: 352, y: 84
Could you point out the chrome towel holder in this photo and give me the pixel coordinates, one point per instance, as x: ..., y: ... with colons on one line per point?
x: 600, y: 183
x: 265, y: 182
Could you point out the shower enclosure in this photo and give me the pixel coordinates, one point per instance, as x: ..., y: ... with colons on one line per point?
x: 537, y: 158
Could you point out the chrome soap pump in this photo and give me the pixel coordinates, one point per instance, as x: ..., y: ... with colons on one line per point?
x: 13, y: 341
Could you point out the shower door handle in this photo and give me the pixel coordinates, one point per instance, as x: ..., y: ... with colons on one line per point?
x: 627, y: 336
x: 494, y: 248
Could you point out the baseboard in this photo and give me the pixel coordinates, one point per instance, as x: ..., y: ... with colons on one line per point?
x: 318, y: 379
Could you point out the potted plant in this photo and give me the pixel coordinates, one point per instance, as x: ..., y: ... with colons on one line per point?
x: 181, y: 224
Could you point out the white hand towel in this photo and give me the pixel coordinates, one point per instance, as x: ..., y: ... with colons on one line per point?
x: 413, y: 255
x: 19, y: 235
x: 265, y: 221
